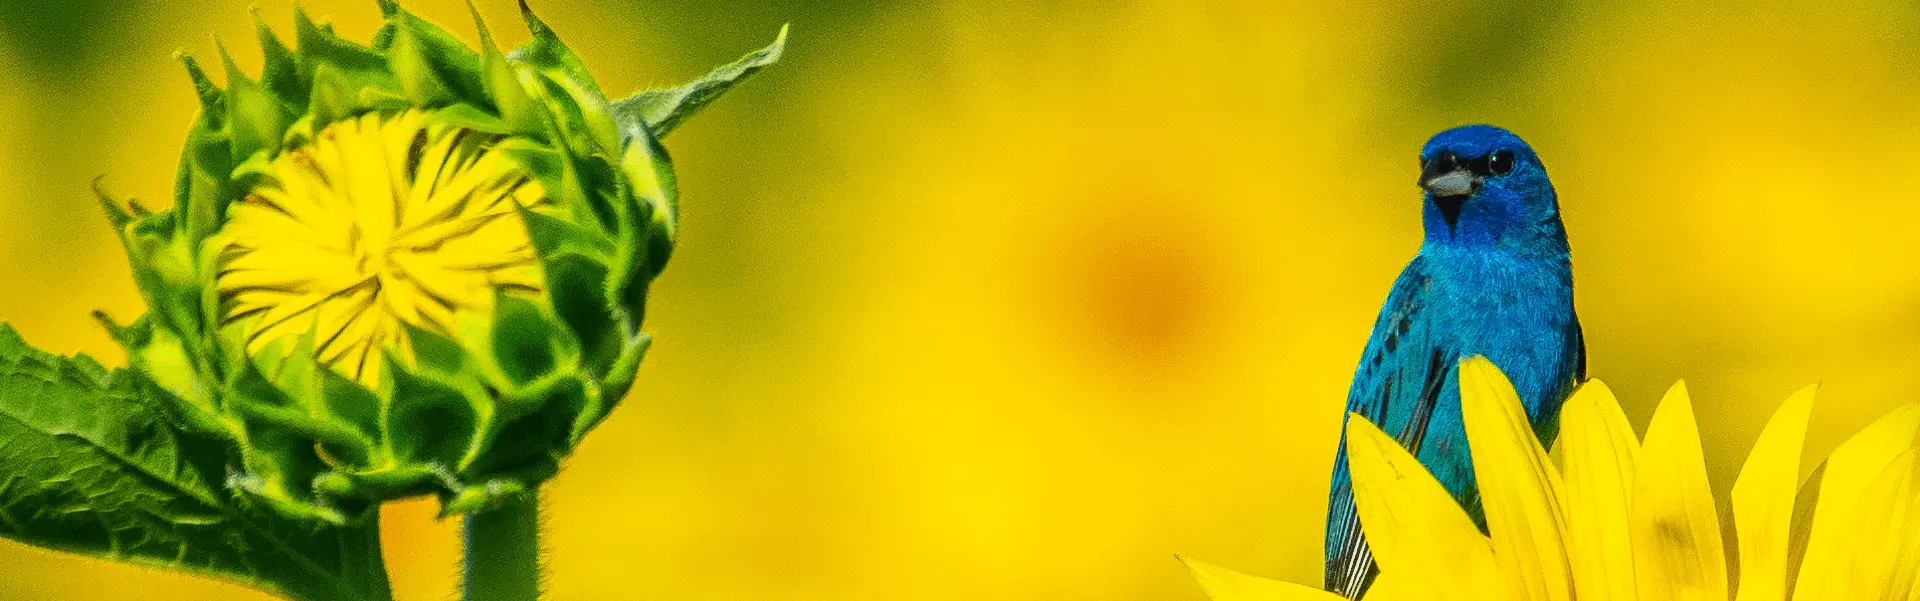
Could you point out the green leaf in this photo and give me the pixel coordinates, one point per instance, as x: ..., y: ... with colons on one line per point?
x: 664, y: 109
x: 88, y: 466
x: 318, y: 46
x: 213, y: 102
x: 546, y: 53
x: 514, y: 105
x: 279, y: 74
x: 523, y: 340
x: 255, y: 118
x: 358, y: 74
x: 433, y: 66
x: 450, y: 419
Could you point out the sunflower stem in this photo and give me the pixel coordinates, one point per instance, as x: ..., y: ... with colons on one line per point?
x: 503, y: 551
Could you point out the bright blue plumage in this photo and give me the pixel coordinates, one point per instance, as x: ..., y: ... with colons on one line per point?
x: 1492, y: 278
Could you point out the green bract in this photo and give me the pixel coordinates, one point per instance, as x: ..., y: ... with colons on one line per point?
x: 477, y: 404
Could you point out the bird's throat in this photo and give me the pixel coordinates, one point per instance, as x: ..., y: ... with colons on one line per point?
x: 1450, y: 208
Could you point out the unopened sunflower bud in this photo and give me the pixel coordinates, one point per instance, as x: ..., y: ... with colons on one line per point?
x: 406, y: 268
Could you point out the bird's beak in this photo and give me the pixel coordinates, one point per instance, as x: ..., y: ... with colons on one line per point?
x: 1455, y: 182
x: 1449, y: 183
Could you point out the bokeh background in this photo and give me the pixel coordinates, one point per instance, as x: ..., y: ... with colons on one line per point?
x: 1016, y: 300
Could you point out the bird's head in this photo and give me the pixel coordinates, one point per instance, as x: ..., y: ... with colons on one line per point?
x: 1485, y: 186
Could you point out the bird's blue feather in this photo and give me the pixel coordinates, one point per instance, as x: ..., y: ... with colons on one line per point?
x: 1492, y: 278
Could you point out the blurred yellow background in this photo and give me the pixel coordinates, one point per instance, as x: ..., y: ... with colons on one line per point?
x: 1016, y: 300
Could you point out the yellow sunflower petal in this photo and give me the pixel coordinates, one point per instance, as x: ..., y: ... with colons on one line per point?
x: 1903, y: 566
x: 1850, y: 470
x: 1906, y: 564
x: 1763, y: 499
x: 1388, y: 588
x: 1417, y: 531
x: 1222, y: 584
x: 1880, y: 519
x: 1519, y: 487
x: 1676, y: 534
x: 1600, y: 453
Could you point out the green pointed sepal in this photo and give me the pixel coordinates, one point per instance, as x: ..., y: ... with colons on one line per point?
x: 664, y: 109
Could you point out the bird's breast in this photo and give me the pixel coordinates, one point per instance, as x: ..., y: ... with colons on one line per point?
x: 1519, y: 314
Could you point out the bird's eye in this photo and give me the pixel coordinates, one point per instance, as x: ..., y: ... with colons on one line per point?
x: 1500, y: 163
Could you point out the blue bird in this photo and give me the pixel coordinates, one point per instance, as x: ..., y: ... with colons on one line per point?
x: 1492, y: 278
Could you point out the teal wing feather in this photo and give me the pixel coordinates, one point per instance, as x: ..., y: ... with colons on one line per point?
x: 1401, y: 376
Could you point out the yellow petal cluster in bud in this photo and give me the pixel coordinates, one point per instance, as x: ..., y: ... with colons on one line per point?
x: 379, y: 222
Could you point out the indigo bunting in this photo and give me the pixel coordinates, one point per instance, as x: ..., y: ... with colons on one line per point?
x: 1492, y: 278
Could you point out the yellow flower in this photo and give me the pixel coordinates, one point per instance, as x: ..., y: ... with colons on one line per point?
x: 1626, y: 519
x: 380, y: 222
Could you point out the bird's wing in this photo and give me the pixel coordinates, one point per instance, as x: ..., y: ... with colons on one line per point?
x: 1397, y: 385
